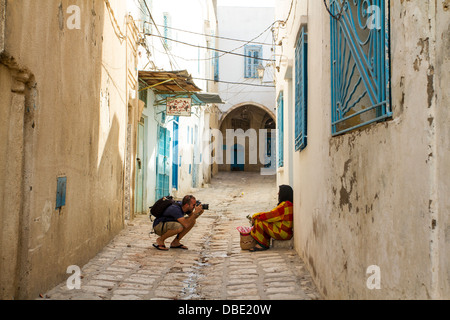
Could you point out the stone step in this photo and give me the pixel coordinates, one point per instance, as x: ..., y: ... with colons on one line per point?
x: 283, y: 244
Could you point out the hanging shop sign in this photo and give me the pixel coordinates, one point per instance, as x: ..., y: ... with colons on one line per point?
x: 179, y: 107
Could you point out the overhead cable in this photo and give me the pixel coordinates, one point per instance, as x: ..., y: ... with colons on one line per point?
x: 203, y: 47
x: 219, y: 37
x: 240, y: 83
x: 169, y: 54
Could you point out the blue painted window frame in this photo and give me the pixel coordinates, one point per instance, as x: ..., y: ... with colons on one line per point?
x: 253, y: 54
x: 301, y: 91
x: 216, y: 66
x: 167, y: 18
x: 360, y: 64
x: 280, y: 134
x: 175, y: 156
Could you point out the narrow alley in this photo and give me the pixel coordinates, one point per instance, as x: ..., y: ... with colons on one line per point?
x: 107, y: 106
x: 214, y: 267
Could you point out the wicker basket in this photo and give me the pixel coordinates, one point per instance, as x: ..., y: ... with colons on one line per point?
x: 247, y: 242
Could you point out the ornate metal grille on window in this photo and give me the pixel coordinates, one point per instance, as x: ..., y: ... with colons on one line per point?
x: 360, y: 77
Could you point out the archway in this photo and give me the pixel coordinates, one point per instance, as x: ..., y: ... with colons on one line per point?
x: 245, y: 121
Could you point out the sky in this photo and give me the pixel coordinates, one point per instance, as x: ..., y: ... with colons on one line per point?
x: 247, y: 3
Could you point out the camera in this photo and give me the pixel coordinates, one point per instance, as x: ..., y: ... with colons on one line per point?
x: 204, y: 205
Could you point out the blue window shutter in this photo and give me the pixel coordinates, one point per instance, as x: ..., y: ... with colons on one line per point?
x: 253, y: 56
x: 216, y: 66
x: 301, y: 91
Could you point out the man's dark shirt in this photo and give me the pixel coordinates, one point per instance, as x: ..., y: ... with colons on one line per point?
x: 172, y: 213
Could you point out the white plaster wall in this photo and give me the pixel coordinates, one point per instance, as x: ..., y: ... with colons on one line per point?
x: 376, y: 196
x: 244, y: 23
x: 199, y: 18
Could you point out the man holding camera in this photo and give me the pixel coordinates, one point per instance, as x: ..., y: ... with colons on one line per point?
x: 173, y: 222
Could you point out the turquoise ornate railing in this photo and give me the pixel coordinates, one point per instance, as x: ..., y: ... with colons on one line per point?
x: 360, y: 71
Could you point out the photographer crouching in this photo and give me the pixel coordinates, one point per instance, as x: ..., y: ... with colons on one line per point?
x: 173, y: 222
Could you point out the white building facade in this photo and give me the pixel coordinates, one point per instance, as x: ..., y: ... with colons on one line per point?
x: 245, y: 46
x: 179, y: 36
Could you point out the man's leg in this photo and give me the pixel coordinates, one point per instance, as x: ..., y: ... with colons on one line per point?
x: 176, y: 242
x: 170, y: 229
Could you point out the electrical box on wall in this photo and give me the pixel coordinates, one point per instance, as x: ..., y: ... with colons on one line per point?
x: 61, y: 192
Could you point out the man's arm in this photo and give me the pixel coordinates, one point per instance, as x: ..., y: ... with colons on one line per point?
x: 190, y: 220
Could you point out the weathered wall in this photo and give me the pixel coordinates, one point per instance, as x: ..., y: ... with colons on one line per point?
x: 379, y: 196
x: 441, y: 121
x: 75, y: 120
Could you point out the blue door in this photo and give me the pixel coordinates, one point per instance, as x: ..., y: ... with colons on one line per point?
x: 162, y: 163
x: 238, y: 160
x: 140, y: 170
x: 175, y: 153
x: 195, y: 159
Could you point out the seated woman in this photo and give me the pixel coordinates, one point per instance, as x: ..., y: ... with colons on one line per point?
x: 276, y: 224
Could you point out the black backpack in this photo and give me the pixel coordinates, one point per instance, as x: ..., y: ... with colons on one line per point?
x: 161, y: 205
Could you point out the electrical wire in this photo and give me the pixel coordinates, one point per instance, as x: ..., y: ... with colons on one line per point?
x: 209, y: 48
x: 219, y: 37
x: 116, y: 26
x: 225, y: 52
x: 239, y: 83
x: 169, y: 54
x: 289, y: 14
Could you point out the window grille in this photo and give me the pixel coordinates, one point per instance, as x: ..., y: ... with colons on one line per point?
x: 360, y: 80
x: 301, y: 90
x: 253, y: 56
x: 280, y: 135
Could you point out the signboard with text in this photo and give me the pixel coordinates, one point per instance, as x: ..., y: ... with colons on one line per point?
x: 179, y: 107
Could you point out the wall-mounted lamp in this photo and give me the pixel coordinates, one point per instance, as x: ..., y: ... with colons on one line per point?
x: 261, y: 71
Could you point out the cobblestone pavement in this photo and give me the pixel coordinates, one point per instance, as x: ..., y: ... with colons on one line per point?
x: 214, y: 267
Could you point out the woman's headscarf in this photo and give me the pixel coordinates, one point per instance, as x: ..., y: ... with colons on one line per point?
x: 285, y: 193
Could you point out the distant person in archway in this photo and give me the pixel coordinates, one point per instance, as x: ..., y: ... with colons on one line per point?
x: 276, y: 224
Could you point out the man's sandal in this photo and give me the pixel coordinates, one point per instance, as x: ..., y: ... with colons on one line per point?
x: 160, y: 247
x: 181, y: 246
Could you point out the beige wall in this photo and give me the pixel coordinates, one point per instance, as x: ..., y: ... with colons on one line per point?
x: 378, y: 196
x: 75, y: 117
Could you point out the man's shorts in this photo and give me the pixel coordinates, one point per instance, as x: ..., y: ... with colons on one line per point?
x: 162, y: 227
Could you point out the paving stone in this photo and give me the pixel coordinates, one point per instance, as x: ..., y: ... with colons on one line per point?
x: 125, y: 292
x: 101, y: 283
x: 108, y: 277
x: 243, y: 292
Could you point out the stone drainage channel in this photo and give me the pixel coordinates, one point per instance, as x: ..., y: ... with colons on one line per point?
x: 191, y: 284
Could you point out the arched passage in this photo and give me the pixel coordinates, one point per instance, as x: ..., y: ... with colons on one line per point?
x: 241, y: 125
